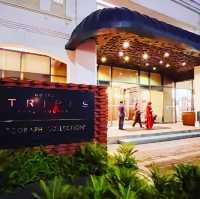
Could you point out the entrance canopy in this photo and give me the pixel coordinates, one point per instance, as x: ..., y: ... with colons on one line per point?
x: 110, y: 27
x: 131, y: 21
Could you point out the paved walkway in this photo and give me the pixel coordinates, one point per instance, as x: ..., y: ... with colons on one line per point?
x: 158, y: 128
x: 114, y: 133
x: 162, y: 153
x: 166, y: 153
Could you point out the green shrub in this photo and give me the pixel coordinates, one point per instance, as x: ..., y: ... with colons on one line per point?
x: 31, y: 166
x: 166, y: 186
x: 5, y: 159
x: 125, y: 157
x: 91, y: 159
x: 97, y: 188
x: 121, y: 176
x: 115, y: 176
x: 123, y: 192
x: 55, y: 189
x: 188, y: 177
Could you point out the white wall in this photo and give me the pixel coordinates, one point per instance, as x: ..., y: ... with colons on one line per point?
x: 173, y: 10
x: 26, y: 30
x: 196, y: 90
x: 84, y: 8
x: 21, y: 28
x: 164, y: 10
x: 82, y: 64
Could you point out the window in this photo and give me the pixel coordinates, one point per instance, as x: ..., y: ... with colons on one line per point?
x: 28, y: 66
x: 58, y: 1
x: 58, y: 7
x: 58, y: 71
x: 184, y: 84
x: 35, y: 63
x: 9, y: 60
x: 30, y: 4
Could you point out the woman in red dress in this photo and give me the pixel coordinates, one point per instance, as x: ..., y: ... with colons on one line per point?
x: 149, y: 116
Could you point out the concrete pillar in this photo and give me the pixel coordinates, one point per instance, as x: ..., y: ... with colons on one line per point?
x: 82, y: 64
x: 196, y: 87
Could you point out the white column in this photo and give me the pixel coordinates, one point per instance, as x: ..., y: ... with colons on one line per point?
x: 82, y: 64
x: 196, y: 88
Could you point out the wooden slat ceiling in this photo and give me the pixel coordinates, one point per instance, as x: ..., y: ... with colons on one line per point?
x: 110, y: 44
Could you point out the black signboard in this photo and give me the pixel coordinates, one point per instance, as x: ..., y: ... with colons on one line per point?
x: 38, y: 116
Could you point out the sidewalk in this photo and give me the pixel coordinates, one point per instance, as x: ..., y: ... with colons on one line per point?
x: 114, y: 133
x: 163, y: 154
x: 166, y: 154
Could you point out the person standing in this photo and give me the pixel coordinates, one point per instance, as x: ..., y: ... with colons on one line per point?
x: 121, y: 115
x: 149, y: 116
x: 137, y: 116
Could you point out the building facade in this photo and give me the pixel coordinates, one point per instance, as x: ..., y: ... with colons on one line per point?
x: 32, y: 47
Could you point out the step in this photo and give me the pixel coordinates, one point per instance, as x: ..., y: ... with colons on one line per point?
x: 115, y: 139
x: 159, y: 137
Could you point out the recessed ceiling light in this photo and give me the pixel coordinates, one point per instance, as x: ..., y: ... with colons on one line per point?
x: 166, y: 54
x: 121, y: 54
x: 154, y: 68
x: 126, y: 58
x: 126, y: 44
x: 145, y: 56
x: 167, y: 65
x: 183, y: 64
x: 103, y: 59
x: 161, y: 62
x: 146, y: 64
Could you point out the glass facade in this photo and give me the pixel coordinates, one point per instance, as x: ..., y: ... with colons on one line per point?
x: 169, y: 99
x: 29, y: 66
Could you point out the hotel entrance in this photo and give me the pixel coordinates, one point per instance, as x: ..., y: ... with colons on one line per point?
x: 141, y: 59
x: 134, y: 86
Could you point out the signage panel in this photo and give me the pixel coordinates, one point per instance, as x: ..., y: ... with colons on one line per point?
x: 40, y: 116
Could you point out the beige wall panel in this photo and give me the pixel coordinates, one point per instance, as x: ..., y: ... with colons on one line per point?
x: 104, y: 73
x: 144, y: 79
x: 124, y: 75
x: 169, y: 109
x: 155, y: 79
x: 157, y: 104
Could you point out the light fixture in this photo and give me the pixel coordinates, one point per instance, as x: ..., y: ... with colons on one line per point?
x: 161, y: 62
x: 146, y: 64
x: 126, y: 44
x: 166, y: 54
x: 121, y: 54
x: 145, y: 56
x: 167, y: 65
x: 154, y: 68
x: 103, y: 59
x: 183, y: 64
x: 126, y: 58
